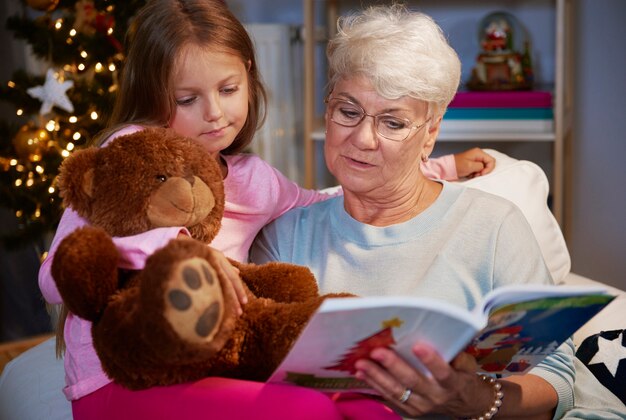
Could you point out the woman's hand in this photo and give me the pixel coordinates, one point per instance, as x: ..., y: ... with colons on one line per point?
x: 473, y: 162
x: 453, y: 389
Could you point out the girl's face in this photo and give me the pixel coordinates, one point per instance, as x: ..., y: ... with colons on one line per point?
x: 211, y: 94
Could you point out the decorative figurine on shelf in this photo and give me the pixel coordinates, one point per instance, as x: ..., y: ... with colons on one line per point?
x: 500, y: 66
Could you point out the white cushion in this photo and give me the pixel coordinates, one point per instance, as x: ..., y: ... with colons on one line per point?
x: 525, y: 184
x: 613, y: 317
x: 31, y: 386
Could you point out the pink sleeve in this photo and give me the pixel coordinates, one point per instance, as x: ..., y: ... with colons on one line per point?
x: 289, y: 195
x: 134, y: 250
x: 443, y: 167
x: 128, y: 129
x: 70, y: 221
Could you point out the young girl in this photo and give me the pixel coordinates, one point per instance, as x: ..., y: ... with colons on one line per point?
x: 191, y: 66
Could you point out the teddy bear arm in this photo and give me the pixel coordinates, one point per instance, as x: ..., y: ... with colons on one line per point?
x: 279, y: 281
x: 85, y: 271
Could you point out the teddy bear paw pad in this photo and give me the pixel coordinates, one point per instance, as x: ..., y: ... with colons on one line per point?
x: 194, y: 301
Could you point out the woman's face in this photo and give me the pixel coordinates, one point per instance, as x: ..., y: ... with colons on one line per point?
x: 211, y: 94
x: 360, y: 158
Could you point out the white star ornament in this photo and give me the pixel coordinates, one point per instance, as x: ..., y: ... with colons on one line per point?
x: 52, y: 93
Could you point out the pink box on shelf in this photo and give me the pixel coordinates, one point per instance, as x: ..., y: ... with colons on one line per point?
x: 504, y: 99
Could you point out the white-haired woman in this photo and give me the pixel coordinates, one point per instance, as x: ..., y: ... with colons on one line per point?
x: 394, y: 231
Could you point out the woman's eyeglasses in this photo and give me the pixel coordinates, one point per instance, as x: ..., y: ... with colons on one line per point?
x: 349, y: 114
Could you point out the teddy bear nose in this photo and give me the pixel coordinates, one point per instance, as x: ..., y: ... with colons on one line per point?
x: 181, y: 201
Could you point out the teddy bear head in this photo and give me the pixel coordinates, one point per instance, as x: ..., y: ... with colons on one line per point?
x: 148, y: 179
x: 174, y: 319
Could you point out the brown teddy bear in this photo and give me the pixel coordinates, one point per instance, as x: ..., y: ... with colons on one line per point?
x: 174, y: 320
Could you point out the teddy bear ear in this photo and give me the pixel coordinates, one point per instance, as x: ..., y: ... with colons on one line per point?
x: 87, y: 183
x: 75, y: 180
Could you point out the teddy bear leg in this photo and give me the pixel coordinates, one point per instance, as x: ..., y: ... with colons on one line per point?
x: 185, y: 298
x: 194, y: 305
x: 166, y: 329
x: 282, y: 282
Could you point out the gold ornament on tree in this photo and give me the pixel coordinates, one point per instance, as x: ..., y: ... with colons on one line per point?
x: 30, y: 142
x: 5, y: 163
x: 43, y: 5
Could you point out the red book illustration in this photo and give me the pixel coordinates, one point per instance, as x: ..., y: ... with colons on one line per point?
x: 362, y: 349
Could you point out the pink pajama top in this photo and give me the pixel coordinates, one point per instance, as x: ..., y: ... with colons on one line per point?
x: 256, y: 193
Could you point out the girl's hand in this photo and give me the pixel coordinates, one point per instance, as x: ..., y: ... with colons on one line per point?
x: 225, y: 269
x: 473, y: 162
x: 452, y: 389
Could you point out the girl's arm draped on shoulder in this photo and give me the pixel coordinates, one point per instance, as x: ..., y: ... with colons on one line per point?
x: 288, y: 194
x: 470, y: 163
x: 443, y: 167
x: 474, y: 162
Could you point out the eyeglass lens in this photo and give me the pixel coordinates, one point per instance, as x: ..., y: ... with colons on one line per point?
x: 349, y: 114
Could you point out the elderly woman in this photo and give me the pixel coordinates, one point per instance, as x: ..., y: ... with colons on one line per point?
x: 395, y: 232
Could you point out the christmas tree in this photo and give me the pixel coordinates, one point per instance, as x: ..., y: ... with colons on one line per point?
x: 80, y: 44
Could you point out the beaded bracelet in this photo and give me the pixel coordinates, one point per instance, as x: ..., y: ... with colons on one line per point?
x: 497, y: 402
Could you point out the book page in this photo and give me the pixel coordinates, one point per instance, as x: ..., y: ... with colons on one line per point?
x: 346, y: 330
x: 520, y: 335
x: 525, y: 292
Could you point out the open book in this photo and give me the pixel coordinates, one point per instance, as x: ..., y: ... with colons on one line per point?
x: 515, y: 328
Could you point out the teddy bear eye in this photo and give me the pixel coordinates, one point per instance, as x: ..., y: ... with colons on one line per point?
x: 161, y: 178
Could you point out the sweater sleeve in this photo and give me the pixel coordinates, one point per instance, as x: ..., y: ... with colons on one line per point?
x: 288, y: 195
x: 134, y: 250
x: 443, y: 167
x: 70, y: 221
x: 524, y: 262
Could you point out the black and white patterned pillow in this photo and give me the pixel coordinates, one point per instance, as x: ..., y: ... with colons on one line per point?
x: 604, y: 354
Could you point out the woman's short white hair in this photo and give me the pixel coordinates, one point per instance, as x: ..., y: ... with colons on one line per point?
x: 401, y: 52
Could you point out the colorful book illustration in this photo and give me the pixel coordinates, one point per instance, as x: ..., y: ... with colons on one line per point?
x: 502, y: 99
x: 513, y: 330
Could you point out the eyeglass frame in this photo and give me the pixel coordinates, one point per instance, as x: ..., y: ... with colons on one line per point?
x: 375, y: 118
